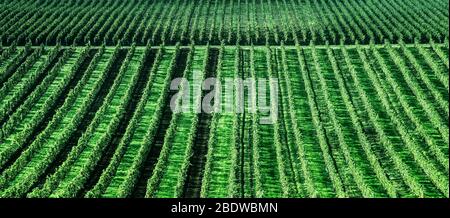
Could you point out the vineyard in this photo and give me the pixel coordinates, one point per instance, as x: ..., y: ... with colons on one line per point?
x: 257, y: 22
x: 361, y: 99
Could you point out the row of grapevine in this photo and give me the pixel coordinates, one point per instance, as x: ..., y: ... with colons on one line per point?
x: 287, y: 115
x: 384, y: 137
x: 373, y: 168
x: 219, y: 177
x: 75, y: 171
x: 309, y: 155
x: 27, y: 75
x: 170, y: 171
x: 335, y: 111
x: 232, y: 21
x: 12, y: 61
x: 45, y: 148
x: 287, y: 134
x: 10, y: 174
x: 7, y: 52
x: 412, y: 87
x: 21, y: 124
x: 389, y: 136
x: 121, y: 175
x: 428, y: 167
x: 69, y: 117
x: 100, y: 71
x: 348, y: 121
x: 329, y: 160
x: 267, y: 144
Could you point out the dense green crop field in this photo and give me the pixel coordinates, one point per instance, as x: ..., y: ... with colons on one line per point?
x: 232, y: 21
x: 361, y: 98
